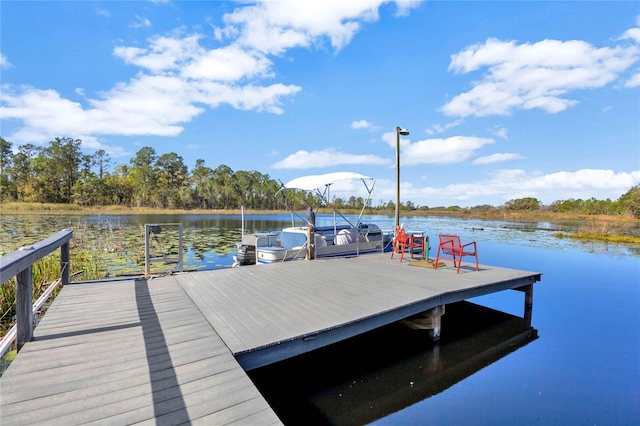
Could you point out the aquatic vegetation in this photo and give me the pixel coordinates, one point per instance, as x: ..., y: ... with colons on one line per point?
x: 602, y: 230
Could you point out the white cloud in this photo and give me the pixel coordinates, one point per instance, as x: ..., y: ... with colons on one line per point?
x: 4, y: 62
x: 259, y: 98
x: 140, y: 22
x: 455, y: 149
x: 164, y: 54
x: 103, y: 12
x: 634, y: 81
x: 499, y: 131
x: 587, y: 179
x: 631, y: 34
x: 538, y: 75
x: 122, y: 112
x: 273, y: 27
x: 405, y: 6
x: 437, y: 128
x: 363, y: 124
x: 495, y: 158
x: 184, y: 56
x: 148, y: 105
x: 584, y: 184
x: 326, y: 158
x: 508, y: 185
x: 228, y: 64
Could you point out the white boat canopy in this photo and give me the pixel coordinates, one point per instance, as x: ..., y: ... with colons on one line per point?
x: 311, y: 182
x: 321, y: 184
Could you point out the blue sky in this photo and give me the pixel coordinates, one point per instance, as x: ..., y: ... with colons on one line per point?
x: 503, y: 100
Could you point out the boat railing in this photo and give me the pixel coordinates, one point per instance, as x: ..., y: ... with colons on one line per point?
x: 271, y: 241
x: 19, y: 264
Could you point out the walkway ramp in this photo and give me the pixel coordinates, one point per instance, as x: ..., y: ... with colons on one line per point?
x: 125, y: 352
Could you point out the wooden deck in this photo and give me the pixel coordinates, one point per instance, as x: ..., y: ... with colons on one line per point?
x: 174, y: 349
x: 128, y: 352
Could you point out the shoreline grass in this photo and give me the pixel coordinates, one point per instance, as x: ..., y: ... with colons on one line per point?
x: 53, y: 208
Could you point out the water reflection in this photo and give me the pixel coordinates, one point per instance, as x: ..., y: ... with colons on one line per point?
x: 375, y: 375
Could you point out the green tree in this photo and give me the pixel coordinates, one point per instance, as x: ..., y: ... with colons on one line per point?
x: 202, y: 185
x: 246, y: 187
x: 593, y: 206
x: 172, y: 176
x: 6, y: 155
x: 102, y: 160
x: 120, y: 185
x: 143, y: 175
x: 631, y: 201
x: 7, y: 186
x: 528, y: 203
x: 223, y: 187
x: 58, y: 169
x: 270, y: 188
x: 22, y: 172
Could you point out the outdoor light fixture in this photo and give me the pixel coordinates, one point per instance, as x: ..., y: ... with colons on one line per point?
x: 403, y: 132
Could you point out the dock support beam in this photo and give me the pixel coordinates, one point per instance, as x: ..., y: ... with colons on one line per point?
x: 528, y: 301
x: 430, y: 320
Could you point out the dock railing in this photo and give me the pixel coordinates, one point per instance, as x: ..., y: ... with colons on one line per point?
x: 151, y: 229
x: 19, y: 264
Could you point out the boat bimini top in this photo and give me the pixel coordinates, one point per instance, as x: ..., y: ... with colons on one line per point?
x: 321, y: 184
x: 313, y: 182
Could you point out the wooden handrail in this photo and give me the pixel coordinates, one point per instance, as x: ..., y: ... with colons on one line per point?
x: 19, y: 264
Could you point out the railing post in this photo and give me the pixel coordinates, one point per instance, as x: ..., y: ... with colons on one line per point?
x: 147, y: 263
x: 180, y: 248
x: 311, y: 243
x: 19, y: 264
x: 24, y: 299
x: 65, y: 264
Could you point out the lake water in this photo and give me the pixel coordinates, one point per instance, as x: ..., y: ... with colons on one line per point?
x: 577, y: 363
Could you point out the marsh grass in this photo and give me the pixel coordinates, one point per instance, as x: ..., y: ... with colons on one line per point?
x: 598, y: 229
x: 85, y: 265
x: 40, y: 207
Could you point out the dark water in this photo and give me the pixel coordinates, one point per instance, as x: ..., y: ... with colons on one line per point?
x: 577, y: 363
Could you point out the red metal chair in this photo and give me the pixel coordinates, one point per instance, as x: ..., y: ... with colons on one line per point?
x: 450, y: 245
x: 403, y: 242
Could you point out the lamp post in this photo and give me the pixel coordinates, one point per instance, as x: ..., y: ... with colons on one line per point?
x: 403, y: 132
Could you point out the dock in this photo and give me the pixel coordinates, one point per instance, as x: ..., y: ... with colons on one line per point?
x: 175, y: 349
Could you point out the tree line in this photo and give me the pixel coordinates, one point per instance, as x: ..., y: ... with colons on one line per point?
x: 61, y: 173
